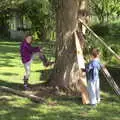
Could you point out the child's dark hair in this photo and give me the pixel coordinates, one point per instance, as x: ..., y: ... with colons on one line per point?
x: 95, y: 52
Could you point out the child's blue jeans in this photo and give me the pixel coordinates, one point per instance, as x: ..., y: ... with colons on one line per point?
x: 94, y: 91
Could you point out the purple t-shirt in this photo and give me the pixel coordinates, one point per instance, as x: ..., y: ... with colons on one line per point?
x: 26, y: 51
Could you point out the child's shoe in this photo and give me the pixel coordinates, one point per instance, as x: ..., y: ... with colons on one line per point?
x: 25, y: 83
x: 26, y: 87
x: 46, y: 63
x: 43, y: 58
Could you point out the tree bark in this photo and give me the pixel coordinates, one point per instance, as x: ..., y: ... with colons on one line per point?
x: 66, y: 73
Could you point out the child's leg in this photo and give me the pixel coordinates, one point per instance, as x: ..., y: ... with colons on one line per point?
x: 43, y: 58
x: 98, y: 90
x: 27, y: 73
x: 92, y: 92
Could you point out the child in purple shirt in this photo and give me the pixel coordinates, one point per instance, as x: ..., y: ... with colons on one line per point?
x: 27, y: 55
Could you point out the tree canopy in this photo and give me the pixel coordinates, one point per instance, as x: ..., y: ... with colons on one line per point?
x: 105, y: 9
x: 41, y: 13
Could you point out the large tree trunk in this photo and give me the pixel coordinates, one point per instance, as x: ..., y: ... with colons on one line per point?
x: 66, y: 72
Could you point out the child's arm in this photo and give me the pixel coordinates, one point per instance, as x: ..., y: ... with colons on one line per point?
x: 102, y: 66
x: 35, y: 49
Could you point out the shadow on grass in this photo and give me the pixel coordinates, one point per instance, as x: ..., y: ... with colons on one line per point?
x: 67, y: 108
x: 17, y: 86
x: 17, y: 108
x: 6, y: 64
x: 44, y: 74
x: 8, y: 74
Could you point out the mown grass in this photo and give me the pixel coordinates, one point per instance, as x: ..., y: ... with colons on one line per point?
x: 66, y: 108
x: 17, y: 108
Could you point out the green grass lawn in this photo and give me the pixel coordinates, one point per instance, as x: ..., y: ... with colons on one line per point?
x: 13, y: 107
x: 11, y: 67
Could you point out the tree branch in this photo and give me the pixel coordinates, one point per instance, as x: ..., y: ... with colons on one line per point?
x: 22, y: 94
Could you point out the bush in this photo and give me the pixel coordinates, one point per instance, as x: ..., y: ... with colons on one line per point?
x: 101, y: 29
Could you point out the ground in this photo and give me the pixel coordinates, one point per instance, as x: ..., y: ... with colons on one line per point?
x: 13, y: 107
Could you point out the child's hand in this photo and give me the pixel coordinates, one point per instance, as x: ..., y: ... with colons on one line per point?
x: 104, y: 67
x: 41, y: 50
x: 119, y: 57
x: 83, y: 70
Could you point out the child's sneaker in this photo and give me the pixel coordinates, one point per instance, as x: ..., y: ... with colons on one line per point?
x: 26, y: 87
x: 46, y: 63
x: 25, y: 83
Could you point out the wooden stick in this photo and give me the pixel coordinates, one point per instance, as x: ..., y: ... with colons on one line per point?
x: 22, y: 94
x: 102, y: 41
x: 81, y: 64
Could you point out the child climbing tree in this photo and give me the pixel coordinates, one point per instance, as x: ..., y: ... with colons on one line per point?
x: 67, y: 73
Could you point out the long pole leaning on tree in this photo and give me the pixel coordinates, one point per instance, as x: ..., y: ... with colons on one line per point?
x: 81, y: 65
x: 102, y: 41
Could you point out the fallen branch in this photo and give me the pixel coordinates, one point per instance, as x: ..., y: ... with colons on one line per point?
x: 22, y: 94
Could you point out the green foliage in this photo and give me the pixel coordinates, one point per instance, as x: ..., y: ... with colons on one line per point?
x: 6, y: 5
x: 41, y: 15
x: 4, y: 26
x: 39, y: 12
x: 101, y: 29
x: 110, y: 33
x: 105, y: 10
x: 6, y: 9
